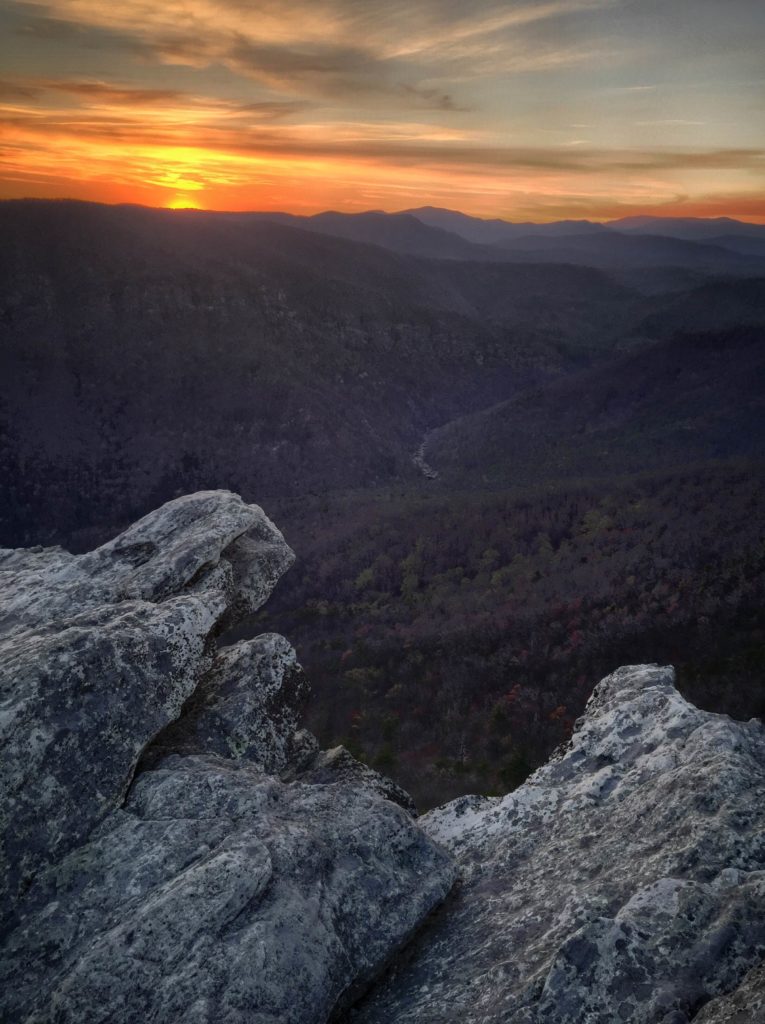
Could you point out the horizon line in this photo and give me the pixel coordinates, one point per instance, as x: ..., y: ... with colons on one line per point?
x: 411, y: 211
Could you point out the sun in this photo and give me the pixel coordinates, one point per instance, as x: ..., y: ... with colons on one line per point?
x: 183, y: 202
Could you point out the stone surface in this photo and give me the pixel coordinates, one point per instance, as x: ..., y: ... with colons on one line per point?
x: 161, y: 555
x: 339, y: 765
x: 229, y: 716
x: 155, y: 865
x: 99, y: 652
x: 745, y: 1005
x: 624, y: 882
x: 177, y: 850
x: 220, y: 894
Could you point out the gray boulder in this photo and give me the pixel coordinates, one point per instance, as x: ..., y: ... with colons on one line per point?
x: 339, y: 765
x: 177, y: 850
x: 625, y: 881
x: 227, y: 715
x: 98, y: 654
x: 155, y: 864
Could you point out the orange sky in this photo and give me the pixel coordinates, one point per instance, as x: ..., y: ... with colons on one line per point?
x: 544, y: 110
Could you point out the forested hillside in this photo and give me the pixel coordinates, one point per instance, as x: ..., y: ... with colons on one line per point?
x: 687, y: 399
x: 451, y: 639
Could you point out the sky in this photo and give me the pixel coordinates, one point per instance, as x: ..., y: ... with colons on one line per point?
x: 523, y: 110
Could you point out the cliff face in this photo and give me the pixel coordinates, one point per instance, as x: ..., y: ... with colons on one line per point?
x: 176, y: 849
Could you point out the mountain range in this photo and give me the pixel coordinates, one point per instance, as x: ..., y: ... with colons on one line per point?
x: 723, y: 245
x: 506, y: 470
x: 146, y: 352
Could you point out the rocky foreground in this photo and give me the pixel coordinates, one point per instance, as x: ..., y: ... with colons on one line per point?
x: 176, y: 850
x: 623, y: 882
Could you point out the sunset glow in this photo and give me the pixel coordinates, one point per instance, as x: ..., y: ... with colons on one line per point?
x: 586, y: 108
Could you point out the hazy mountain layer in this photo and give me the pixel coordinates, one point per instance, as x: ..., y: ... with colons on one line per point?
x: 718, y: 247
x: 722, y: 245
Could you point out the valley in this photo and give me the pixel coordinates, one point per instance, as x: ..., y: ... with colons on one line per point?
x: 502, y: 476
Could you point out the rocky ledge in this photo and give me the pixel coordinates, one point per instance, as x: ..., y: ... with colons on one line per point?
x: 177, y: 850
x: 155, y: 866
x: 624, y: 882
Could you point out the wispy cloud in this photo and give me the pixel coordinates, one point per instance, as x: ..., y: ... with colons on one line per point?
x: 335, y: 48
x: 673, y: 122
x: 98, y: 95
x: 228, y: 128
x: 35, y: 88
x: 448, y: 38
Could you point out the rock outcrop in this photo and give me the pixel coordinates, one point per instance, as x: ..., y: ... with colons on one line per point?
x: 624, y: 882
x: 155, y: 866
x: 177, y: 850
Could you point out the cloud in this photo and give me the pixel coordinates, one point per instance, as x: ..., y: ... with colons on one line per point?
x: 397, y: 28
x: 108, y: 93
x: 11, y: 90
x: 343, y: 50
x: 142, y: 156
x: 259, y: 130
x: 459, y: 37
x: 672, y: 121
x: 98, y: 96
x: 272, y: 110
x: 326, y: 70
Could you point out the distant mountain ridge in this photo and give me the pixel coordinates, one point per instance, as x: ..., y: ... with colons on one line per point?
x: 476, y: 229
x: 720, y: 246
x: 146, y: 351
x: 691, y: 228
x: 140, y: 348
x: 490, y: 232
x: 401, y: 232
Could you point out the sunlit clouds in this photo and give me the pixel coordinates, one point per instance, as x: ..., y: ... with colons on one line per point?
x: 584, y: 108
